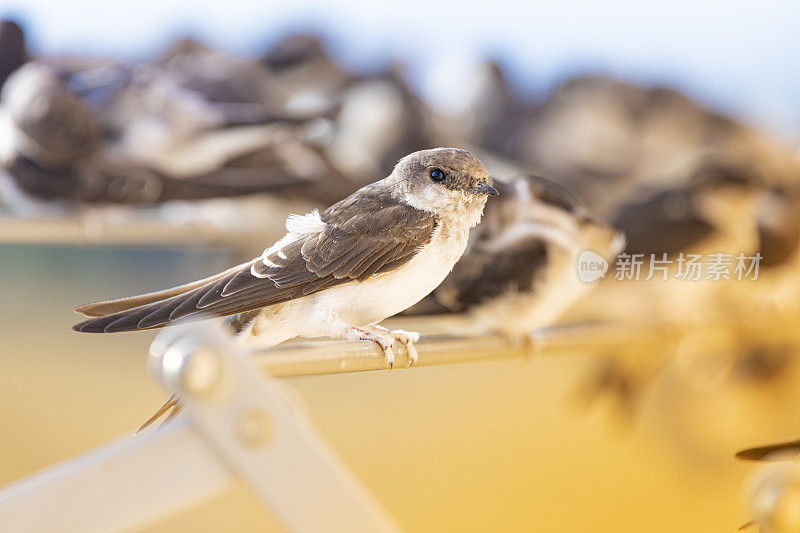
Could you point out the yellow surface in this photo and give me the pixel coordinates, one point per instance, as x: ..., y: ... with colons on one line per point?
x: 480, y: 447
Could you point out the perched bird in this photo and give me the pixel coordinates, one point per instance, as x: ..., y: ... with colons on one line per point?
x: 777, y: 229
x: 45, y: 119
x: 585, y: 131
x: 721, y: 207
x: 339, y: 272
x: 713, y: 207
x: 605, y: 138
x: 520, y: 270
x: 97, y: 134
x: 307, y: 78
x: 217, y: 76
x: 678, y: 236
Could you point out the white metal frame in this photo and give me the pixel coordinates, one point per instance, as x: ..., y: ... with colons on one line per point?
x: 239, y: 425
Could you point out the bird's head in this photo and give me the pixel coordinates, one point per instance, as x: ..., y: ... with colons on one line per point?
x: 446, y: 181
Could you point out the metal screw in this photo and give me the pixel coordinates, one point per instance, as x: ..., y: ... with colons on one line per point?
x: 191, y: 369
x: 253, y: 427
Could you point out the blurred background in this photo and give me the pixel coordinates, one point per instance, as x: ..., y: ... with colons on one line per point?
x: 145, y: 145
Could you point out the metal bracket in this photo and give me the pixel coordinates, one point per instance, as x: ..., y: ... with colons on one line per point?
x: 239, y: 425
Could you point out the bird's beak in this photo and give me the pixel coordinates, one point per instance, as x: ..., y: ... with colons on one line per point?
x: 484, y: 188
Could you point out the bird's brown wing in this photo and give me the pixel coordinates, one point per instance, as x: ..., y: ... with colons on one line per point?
x: 364, y: 235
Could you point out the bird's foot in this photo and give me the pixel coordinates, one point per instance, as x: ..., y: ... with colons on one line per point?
x: 384, y: 340
x: 408, y: 338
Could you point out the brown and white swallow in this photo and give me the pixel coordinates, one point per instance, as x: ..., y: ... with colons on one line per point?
x: 336, y: 273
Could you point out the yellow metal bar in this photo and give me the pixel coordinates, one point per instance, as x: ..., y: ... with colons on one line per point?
x: 310, y: 357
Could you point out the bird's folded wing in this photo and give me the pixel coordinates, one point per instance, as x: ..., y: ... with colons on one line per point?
x: 352, y: 244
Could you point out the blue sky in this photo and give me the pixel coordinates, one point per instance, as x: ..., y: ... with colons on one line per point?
x: 740, y: 57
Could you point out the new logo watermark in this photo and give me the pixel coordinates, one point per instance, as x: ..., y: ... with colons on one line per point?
x: 591, y: 266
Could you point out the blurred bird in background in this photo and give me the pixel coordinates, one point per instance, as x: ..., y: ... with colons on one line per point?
x: 110, y: 134
x: 308, y: 79
x: 608, y: 139
x: 519, y: 273
x: 492, y: 114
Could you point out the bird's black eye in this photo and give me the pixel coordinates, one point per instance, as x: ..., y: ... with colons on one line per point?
x: 437, y: 174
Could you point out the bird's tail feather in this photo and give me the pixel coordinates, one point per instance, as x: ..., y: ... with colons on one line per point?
x: 108, y: 307
x: 195, y: 301
x: 155, y: 314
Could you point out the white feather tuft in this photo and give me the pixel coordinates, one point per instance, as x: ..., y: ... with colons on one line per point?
x: 305, y: 224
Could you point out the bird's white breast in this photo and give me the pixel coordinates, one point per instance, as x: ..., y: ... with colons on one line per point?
x: 400, y: 289
x: 387, y: 294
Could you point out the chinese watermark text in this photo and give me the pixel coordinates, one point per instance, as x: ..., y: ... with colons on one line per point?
x: 687, y: 267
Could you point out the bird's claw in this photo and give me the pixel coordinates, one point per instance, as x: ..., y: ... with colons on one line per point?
x: 379, y: 336
x: 387, y: 351
x: 386, y: 339
x: 408, y: 338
